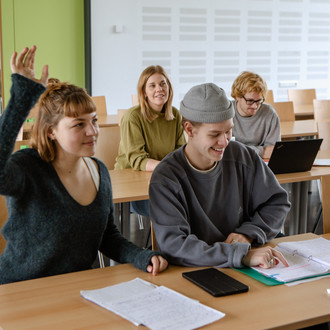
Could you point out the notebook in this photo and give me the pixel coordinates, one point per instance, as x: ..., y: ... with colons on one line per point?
x: 294, y: 156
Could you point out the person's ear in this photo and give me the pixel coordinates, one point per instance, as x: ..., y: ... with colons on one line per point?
x: 189, y: 129
x: 51, y: 134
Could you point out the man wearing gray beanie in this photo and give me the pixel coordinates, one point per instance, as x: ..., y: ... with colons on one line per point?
x: 213, y: 198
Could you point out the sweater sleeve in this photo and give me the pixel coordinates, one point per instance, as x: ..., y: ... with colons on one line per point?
x: 274, y: 133
x: 118, y: 248
x: 24, y: 94
x: 269, y: 206
x: 175, y: 240
x: 180, y: 137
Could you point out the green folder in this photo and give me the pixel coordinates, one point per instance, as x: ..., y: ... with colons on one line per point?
x: 268, y: 280
x: 259, y: 277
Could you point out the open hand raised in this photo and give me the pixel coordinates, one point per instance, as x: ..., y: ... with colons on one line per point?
x: 24, y: 65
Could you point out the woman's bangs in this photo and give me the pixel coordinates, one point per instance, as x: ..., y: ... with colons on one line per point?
x: 78, y: 104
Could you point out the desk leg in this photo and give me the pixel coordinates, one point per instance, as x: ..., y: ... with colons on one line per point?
x: 304, y: 187
x: 295, y: 207
x: 325, y: 184
x: 116, y: 214
x: 125, y: 220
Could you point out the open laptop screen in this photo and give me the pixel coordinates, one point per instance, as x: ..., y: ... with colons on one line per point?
x: 294, y: 156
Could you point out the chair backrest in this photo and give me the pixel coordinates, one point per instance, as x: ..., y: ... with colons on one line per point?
x: 101, y: 105
x: 107, y: 145
x: 323, y: 127
x: 22, y: 144
x: 154, y: 246
x: 33, y: 113
x: 269, y: 97
x: 284, y: 110
x: 302, y: 96
x: 120, y: 114
x: 321, y: 109
x: 135, y: 100
x: 3, y: 219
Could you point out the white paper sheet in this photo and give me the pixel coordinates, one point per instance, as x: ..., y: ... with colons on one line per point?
x: 155, y: 307
x: 321, y: 162
x: 306, y: 259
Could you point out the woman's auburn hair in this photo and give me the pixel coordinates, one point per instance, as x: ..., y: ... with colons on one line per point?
x: 248, y: 82
x: 60, y: 99
x: 146, y: 112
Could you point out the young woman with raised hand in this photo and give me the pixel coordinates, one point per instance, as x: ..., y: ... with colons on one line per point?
x: 59, y: 198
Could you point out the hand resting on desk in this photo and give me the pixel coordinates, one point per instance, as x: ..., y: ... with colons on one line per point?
x: 265, y: 257
x: 158, y: 265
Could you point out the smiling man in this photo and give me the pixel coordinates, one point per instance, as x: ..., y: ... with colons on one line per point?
x: 256, y: 124
x: 213, y: 198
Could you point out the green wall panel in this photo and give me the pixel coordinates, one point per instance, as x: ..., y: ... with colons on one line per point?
x: 56, y: 27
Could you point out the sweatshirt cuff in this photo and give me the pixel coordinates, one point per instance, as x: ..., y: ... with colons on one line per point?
x: 240, y: 252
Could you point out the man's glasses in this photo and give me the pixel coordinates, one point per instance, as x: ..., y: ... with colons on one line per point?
x: 257, y: 102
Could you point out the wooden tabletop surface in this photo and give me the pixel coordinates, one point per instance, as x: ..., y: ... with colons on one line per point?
x: 298, y: 128
x: 55, y: 302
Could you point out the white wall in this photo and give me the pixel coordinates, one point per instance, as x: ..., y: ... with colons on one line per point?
x: 209, y: 41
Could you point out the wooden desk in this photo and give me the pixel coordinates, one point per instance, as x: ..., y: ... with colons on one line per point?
x: 298, y: 128
x: 127, y: 186
x: 316, y: 173
x: 55, y: 302
x: 106, y: 121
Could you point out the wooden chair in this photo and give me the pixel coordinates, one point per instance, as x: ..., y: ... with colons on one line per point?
x: 302, y: 102
x: 33, y: 113
x: 107, y: 145
x: 153, y: 238
x: 269, y: 97
x: 22, y: 144
x: 284, y: 110
x: 323, y: 127
x: 3, y: 219
x: 302, y: 96
x: 101, y: 106
x: 135, y: 100
x: 120, y: 114
x: 321, y: 109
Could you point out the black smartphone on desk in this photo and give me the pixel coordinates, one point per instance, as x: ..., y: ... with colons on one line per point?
x: 215, y: 282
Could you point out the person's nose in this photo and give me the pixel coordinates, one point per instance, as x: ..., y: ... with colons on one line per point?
x: 92, y: 129
x: 222, y: 140
x: 254, y: 105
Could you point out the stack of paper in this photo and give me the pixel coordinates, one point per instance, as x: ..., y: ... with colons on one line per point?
x: 143, y: 303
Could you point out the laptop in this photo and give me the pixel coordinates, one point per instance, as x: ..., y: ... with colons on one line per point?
x: 294, y: 156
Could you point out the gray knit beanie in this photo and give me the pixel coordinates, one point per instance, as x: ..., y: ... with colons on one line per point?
x: 206, y: 103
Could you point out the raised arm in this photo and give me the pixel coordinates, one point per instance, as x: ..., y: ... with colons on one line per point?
x: 24, y: 65
x: 25, y: 92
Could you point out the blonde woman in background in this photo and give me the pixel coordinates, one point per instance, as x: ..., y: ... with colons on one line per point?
x: 150, y: 130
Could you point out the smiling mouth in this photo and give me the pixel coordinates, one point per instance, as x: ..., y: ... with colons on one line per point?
x: 218, y: 149
x: 90, y: 142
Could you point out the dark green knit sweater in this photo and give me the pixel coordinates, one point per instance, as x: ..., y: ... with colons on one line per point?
x: 47, y: 231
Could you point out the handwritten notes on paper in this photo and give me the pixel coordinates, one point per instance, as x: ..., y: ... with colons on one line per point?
x: 143, y: 303
x: 306, y: 258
